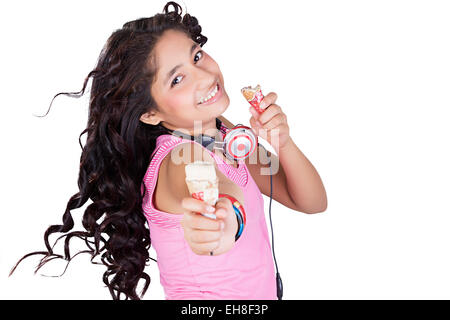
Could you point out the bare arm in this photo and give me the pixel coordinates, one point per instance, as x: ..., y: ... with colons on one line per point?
x: 303, y: 182
x: 296, y: 183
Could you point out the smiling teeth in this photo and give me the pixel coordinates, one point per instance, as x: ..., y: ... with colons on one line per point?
x: 212, y: 94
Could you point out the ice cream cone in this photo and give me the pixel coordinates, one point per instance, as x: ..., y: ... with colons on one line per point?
x: 202, y: 183
x: 254, y: 96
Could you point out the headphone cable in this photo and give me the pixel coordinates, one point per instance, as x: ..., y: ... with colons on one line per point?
x: 279, y: 282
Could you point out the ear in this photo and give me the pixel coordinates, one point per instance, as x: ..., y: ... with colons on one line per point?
x: 151, y: 117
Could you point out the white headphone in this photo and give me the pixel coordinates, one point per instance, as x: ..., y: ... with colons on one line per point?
x: 239, y: 143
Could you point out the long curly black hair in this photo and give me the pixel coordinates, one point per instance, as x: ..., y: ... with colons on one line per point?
x: 117, y: 153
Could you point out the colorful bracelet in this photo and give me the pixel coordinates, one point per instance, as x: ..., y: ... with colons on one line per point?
x: 240, y: 214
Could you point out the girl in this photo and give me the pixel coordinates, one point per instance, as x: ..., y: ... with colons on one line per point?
x: 153, y: 77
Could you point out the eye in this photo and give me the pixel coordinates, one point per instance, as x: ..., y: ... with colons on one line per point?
x: 201, y: 52
x: 173, y: 82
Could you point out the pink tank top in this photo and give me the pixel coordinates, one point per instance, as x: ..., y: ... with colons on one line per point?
x: 246, y: 272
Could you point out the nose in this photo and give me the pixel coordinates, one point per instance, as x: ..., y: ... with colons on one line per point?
x: 204, y: 79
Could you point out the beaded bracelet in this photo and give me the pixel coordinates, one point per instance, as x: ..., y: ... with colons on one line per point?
x: 240, y: 214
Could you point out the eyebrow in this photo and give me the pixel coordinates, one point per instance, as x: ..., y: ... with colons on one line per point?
x: 171, y: 72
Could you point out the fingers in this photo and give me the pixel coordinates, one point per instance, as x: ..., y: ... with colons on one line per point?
x: 268, y: 99
x: 223, y: 203
x: 269, y: 113
x: 272, y: 118
x: 194, y: 205
x: 255, y: 125
x: 254, y: 122
x: 202, y: 237
x: 195, y: 221
x: 201, y: 233
x: 223, y: 206
x: 276, y: 121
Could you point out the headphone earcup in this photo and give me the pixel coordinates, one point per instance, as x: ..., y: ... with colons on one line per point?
x: 240, y: 142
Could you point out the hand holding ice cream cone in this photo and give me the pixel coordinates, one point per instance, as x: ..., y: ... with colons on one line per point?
x: 209, y: 223
x: 266, y: 115
x: 205, y: 235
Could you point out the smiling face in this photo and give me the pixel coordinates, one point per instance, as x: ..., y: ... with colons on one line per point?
x: 186, y: 76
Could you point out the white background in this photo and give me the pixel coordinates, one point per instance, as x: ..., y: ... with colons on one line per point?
x: 365, y: 85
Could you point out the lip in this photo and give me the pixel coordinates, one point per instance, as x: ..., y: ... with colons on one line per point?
x: 215, y: 98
